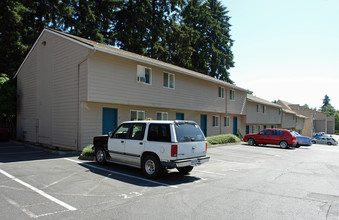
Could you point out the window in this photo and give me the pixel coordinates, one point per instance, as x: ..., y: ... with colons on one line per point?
x: 265, y: 132
x: 169, y: 80
x: 279, y: 111
x: 227, y: 121
x: 277, y: 132
x: 259, y: 128
x: 264, y: 109
x: 162, y: 116
x: 258, y: 108
x: 121, y: 132
x: 159, y: 132
x: 232, y: 95
x: 253, y: 129
x: 221, y: 92
x: 137, y: 115
x: 138, y: 131
x: 186, y: 132
x: 144, y: 74
x: 215, y: 121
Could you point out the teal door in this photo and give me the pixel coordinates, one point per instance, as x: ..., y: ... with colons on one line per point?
x: 247, y: 129
x: 109, y: 119
x: 180, y: 116
x: 203, y: 124
x: 235, y: 125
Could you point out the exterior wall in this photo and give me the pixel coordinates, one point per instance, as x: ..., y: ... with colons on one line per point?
x: 113, y: 79
x: 91, y: 119
x: 270, y: 117
x: 308, y: 128
x: 27, y: 100
x: 238, y: 105
x: 288, y: 121
x: 300, y: 123
x: 52, y: 94
x: 320, y: 126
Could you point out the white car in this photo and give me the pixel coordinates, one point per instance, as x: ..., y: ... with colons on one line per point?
x: 324, y: 140
x: 154, y: 146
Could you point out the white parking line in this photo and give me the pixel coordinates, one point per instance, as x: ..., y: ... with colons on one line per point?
x: 121, y: 174
x: 71, y: 208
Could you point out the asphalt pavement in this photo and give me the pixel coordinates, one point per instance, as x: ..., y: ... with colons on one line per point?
x: 239, y: 182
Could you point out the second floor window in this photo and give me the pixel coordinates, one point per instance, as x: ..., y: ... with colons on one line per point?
x: 144, y: 74
x: 232, y: 95
x: 169, y: 80
x: 221, y: 92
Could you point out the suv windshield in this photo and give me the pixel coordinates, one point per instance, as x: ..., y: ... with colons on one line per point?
x: 188, y: 132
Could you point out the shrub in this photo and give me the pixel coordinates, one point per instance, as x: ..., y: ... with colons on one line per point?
x: 223, y: 139
x: 88, y: 151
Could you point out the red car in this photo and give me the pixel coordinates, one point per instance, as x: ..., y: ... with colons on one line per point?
x: 280, y: 137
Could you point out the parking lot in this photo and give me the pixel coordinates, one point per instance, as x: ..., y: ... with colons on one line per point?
x: 239, y: 182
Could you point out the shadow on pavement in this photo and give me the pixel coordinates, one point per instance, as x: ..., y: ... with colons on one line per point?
x: 135, y: 176
x: 14, y: 151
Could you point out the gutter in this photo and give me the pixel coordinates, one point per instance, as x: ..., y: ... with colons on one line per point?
x: 78, y: 106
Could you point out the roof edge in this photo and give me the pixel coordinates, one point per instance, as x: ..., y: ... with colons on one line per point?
x: 53, y: 32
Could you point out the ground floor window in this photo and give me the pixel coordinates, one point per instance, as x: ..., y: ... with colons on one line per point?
x: 162, y: 116
x: 215, y: 121
x: 137, y: 115
x: 227, y: 121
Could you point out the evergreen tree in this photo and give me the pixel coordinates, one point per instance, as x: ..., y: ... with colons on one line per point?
x: 327, y: 108
x: 212, y: 48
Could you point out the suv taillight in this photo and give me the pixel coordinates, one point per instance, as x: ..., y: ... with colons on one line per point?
x: 206, y: 147
x: 174, y: 150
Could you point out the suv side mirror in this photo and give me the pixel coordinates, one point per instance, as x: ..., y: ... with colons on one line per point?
x: 110, y: 134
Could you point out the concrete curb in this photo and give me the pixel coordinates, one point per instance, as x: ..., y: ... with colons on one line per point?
x: 224, y: 145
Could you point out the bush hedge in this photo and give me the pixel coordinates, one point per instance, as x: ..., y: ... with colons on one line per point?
x: 88, y: 151
x: 222, y: 139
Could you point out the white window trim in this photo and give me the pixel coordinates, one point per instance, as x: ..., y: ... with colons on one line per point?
x: 141, y: 73
x: 221, y: 92
x: 229, y: 121
x: 215, y: 121
x: 168, y: 80
x: 137, y: 111
x: 232, y: 97
x: 162, y: 115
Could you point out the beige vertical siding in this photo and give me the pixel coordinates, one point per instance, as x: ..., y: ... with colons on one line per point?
x: 91, y: 117
x: 288, y: 121
x: 48, y: 83
x: 270, y: 117
x: 238, y: 105
x: 27, y: 100
x: 114, y: 80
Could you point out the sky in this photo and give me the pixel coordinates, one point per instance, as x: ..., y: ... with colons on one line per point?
x: 286, y: 49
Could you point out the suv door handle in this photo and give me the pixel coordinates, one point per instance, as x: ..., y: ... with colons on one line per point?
x: 122, y: 142
x: 141, y: 143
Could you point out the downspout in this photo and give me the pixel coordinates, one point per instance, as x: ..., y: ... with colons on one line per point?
x: 78, y: 106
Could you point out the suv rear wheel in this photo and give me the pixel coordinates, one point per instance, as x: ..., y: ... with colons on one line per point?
x: 185, y: 170
x: 151, y: 166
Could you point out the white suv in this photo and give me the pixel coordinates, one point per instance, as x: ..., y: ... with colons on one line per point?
x: 154, y: 146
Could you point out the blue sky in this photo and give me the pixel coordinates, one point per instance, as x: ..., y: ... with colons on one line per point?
x: 286, y: 49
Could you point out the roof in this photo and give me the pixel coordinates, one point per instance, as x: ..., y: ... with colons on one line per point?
x: 261, y: 101
x: 129, y: 55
